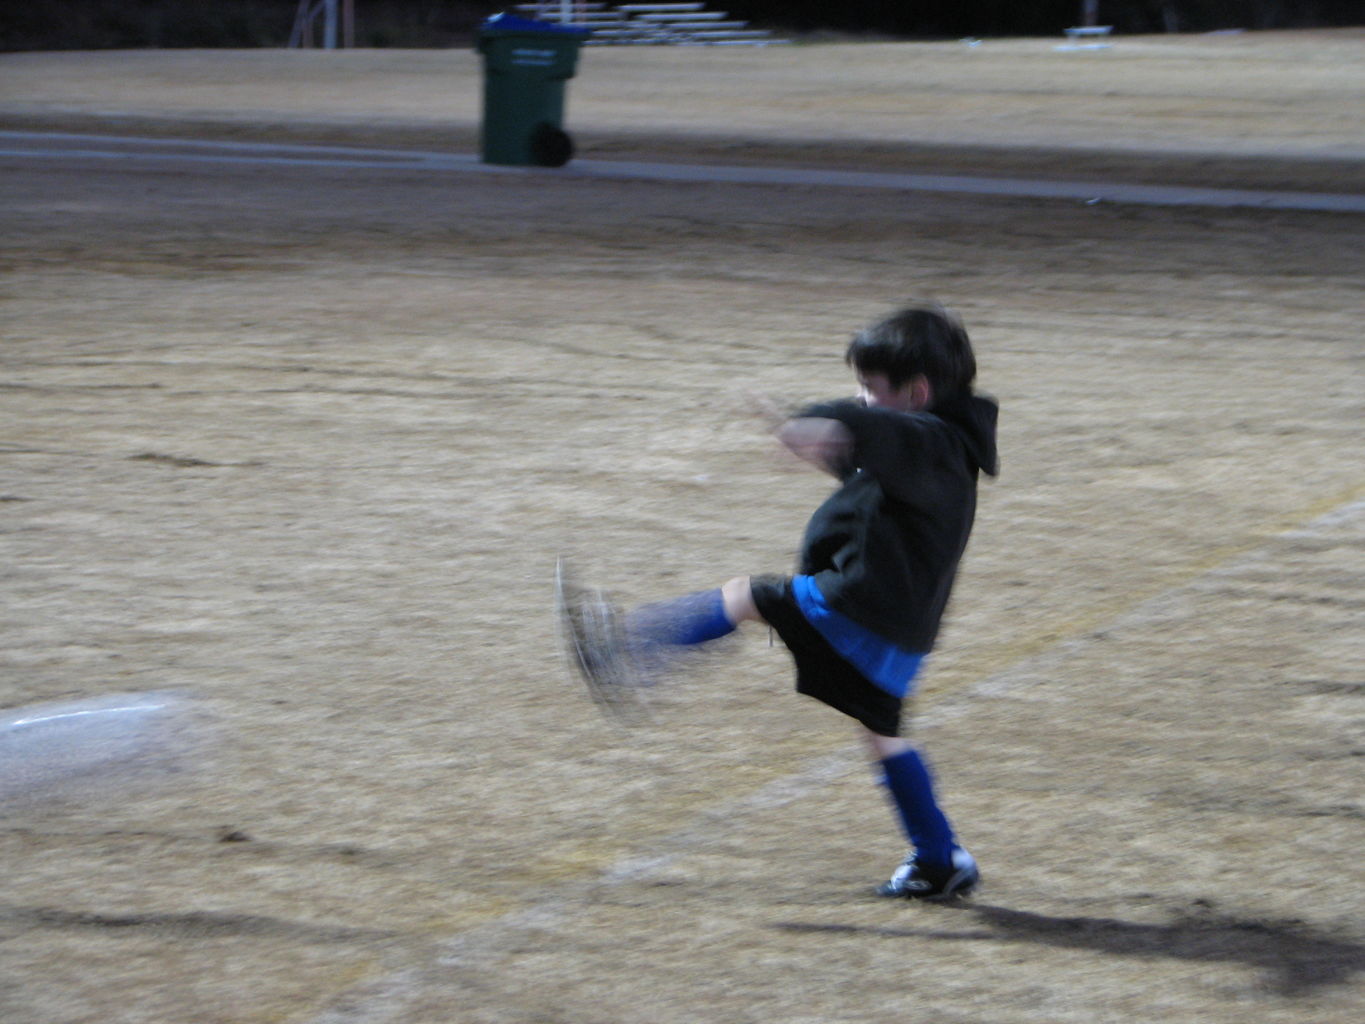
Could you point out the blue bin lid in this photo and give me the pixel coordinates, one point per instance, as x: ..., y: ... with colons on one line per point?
x: 509, y: 23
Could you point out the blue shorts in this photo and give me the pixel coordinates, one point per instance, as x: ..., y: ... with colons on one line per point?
x: 885, y: 665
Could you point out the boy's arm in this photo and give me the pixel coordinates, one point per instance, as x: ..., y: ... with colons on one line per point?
x: 889, y: 445
x: 824, y: 442
x: 827, y: 443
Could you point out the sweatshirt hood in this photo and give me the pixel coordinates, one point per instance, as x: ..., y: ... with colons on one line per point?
x: 975, y: 417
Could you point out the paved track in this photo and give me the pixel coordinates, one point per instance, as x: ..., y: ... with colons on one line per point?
x: 63, y: 146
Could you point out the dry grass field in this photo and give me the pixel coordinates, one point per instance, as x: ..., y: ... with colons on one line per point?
x: 289, y: 451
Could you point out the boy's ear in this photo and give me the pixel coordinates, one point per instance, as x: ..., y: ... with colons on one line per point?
x: 921, y: 392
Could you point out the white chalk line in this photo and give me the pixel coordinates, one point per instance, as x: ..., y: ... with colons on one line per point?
x: 78, y: 714
x: 86, y: 147
x: 382, y: 1000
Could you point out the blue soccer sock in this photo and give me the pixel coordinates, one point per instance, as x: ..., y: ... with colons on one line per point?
x: 682, y: 621
x: 912, y: 790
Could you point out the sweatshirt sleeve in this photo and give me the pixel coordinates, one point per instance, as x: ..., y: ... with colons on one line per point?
x: 887, y: 444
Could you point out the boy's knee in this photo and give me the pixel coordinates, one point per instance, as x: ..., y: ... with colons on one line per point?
x: 738, y: 597
x: 884, y: 747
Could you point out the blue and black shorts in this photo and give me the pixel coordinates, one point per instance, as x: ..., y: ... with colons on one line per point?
x: 822, y: 671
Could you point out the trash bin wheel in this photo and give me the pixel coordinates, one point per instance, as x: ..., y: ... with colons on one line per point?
x: 551, y: 146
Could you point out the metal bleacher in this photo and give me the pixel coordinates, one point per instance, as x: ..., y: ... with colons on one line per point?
x: 661, y: 24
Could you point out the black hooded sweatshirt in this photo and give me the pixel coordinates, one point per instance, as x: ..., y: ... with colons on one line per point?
x: 884, y: 548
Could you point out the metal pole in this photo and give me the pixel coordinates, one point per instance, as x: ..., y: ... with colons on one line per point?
x: 329, y: 29
x: 348, y: 24
x: 297, y: 37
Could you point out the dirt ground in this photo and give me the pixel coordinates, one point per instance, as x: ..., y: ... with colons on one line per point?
x: 296, y: 448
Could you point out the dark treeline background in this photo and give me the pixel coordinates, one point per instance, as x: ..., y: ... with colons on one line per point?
x: 127, y: 24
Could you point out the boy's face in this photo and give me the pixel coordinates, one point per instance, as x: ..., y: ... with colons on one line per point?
x: 875, y: 392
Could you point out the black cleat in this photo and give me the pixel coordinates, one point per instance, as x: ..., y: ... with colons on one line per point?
x: 595, y: 636
x: 915, y: 881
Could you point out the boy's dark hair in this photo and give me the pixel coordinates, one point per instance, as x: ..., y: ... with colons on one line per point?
x: 917, y: 340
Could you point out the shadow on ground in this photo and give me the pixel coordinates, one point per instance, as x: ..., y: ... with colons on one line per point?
x: 1294, y: 958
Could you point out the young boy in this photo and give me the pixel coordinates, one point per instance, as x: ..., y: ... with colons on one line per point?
x: 877, y: 565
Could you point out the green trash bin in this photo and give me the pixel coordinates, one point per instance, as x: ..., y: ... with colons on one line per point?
x: 525, y: 66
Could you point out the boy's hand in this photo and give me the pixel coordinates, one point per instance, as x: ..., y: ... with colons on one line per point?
x: 767, y: 410
x: 824, y: 442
